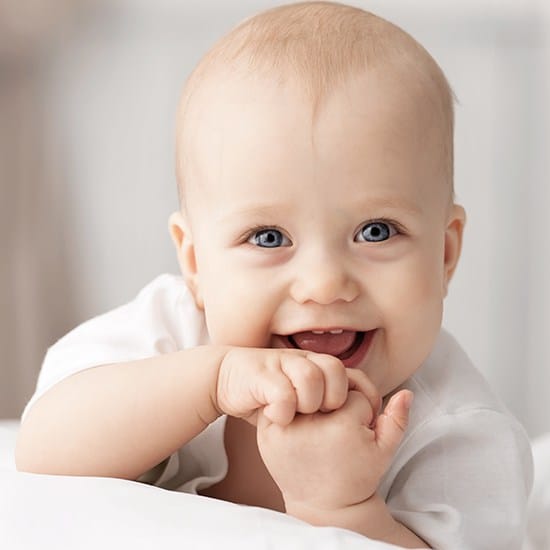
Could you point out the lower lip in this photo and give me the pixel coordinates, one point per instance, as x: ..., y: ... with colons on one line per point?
x: 359, y: 354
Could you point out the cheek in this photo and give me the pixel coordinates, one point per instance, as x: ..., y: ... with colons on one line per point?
x: 413, y: 311
x: 238, y: 309
x: 413, y: 287
x: 224, y: 307
x: 426, y: 273
x: 412, y: 308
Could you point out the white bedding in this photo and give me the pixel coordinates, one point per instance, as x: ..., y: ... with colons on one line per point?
x: 61, y: 512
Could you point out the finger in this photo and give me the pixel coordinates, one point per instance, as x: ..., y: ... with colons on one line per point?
x: 358, y: 407
x: 335, y: 381
x: 359, y: 381
x: 281, y: 413
x: 307, y: 380
x: 392, y: 423
x: 275, y: 391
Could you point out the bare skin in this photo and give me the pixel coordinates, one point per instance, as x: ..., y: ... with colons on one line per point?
x: 245, y: 465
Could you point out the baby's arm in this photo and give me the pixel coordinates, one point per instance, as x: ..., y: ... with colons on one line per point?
x: 122, y: 419
x: 329, y: 466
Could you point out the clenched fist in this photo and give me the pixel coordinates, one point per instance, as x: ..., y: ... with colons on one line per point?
x: 283, y: 382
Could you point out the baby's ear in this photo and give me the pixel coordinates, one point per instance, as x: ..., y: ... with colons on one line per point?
x: 185, y: 249
x: 453, y: 243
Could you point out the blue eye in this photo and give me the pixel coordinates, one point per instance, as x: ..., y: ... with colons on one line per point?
x: 375, y: 232
x: 269, y: 238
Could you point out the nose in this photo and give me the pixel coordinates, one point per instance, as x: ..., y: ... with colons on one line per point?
x: 324, y: 281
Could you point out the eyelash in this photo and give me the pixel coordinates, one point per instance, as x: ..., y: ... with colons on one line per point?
x: 249, y: 233
x: 399, y: 229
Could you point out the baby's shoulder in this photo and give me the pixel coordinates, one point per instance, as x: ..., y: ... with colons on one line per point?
x: 164, y: 287
x: 456, y: 417
x: 449, y: 383
x: 166, y: 306
x: 460, y: 446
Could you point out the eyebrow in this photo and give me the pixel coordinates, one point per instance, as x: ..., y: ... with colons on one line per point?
x: 388, y: 203
x: 393, y: 203
x: 259, y: 210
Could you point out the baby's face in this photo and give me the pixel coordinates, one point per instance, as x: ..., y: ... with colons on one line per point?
x: 338, y: 236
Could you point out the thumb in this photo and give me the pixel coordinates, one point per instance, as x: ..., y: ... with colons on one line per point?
x: 391, y: 424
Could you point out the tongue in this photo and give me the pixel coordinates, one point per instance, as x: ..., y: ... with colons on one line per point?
x: 333, y: 344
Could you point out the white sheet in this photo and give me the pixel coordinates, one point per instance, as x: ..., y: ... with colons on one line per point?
x: 61, y: 512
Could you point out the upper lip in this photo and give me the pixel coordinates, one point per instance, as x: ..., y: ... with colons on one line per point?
x: 325, y: 329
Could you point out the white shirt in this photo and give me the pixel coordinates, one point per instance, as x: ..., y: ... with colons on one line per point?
x: 460, y: 479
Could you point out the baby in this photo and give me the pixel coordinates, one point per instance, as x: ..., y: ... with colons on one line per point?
x: 317, y: 235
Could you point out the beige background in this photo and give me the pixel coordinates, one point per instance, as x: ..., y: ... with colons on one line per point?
x: 87, y: 99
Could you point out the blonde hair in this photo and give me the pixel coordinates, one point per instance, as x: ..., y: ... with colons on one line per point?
x: 319, y: 45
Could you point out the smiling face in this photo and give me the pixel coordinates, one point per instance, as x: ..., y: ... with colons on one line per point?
x: 342, y: 224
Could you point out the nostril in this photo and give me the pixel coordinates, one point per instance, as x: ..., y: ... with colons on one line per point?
x: 324, y: 293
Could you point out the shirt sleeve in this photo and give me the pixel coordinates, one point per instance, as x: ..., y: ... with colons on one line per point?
x: 161, y: 319
x: 199, y: 464
x: 464, y: 481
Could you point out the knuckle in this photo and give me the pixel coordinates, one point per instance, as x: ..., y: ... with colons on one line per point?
x: 333, y: 362
x: 309, y: 373
x: 333, y: 402
x: 282, y: 393
x: 276, y: 360
x: 335, y: 368
x: 330, y: 365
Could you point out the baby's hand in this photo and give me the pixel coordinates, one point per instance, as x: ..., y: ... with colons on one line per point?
x: 332, y: 461
x: 281, y: 383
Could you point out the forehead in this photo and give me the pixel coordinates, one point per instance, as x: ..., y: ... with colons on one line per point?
x: 253, y: 135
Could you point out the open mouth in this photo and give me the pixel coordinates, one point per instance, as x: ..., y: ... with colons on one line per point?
x: 349, y: 346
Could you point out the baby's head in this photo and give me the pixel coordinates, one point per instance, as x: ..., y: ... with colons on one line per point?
x: 315, y: 162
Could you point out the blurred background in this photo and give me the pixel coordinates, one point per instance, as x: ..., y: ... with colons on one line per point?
x: 88, y: 92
